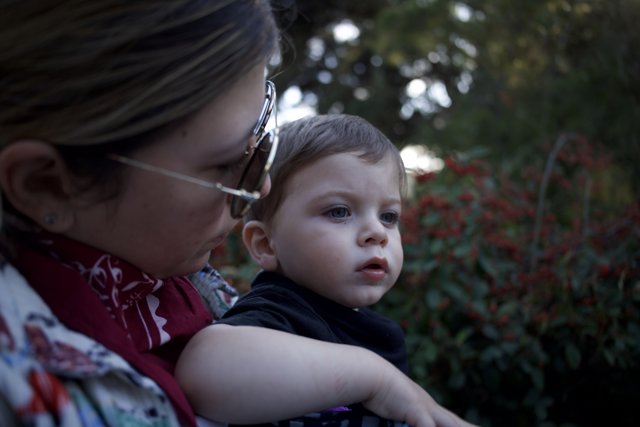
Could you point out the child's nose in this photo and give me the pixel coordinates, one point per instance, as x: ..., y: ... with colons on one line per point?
x: 373, y: 233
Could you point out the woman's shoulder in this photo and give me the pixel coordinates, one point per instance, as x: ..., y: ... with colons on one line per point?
x: 51, y: 374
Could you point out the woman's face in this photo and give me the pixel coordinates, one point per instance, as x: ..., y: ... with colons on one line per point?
x: 165, y: 226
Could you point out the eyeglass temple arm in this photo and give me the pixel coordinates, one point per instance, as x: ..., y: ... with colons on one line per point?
x: 243, y: 194
x: 267, y: 107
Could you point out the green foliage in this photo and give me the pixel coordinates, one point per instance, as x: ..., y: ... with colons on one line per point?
x: 520, y: 293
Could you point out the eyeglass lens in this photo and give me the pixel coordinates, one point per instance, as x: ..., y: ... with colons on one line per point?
x: 254, y: 175
x: 256, y: 170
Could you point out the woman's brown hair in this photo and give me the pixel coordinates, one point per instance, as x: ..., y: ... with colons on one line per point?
x: 94, y: 76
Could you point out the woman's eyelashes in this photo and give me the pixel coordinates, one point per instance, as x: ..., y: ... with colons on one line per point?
x: 239, y: 162
x: 238, y: 165
x: 233, y: 166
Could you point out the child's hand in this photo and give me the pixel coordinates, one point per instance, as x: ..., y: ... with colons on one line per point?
x: 399, y: 398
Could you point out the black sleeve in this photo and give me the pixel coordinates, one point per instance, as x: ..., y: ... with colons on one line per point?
x: 278, y: 308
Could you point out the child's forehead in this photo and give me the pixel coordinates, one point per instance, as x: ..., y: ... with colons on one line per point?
x: 365, y: 158
x: 354, y: 160
x: 350, y: 165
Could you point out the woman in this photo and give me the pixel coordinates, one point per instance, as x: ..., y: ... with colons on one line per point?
x: 131, y: 141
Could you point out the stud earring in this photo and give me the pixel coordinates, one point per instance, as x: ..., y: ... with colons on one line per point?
x: 50, y: 219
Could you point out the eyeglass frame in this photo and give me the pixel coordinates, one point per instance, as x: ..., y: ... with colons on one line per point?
x: 245, y: 195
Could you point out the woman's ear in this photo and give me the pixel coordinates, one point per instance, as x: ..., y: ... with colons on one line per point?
x: 257, y: 241
x: 34, y: 178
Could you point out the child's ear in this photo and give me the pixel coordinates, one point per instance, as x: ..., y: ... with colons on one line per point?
x: 34, y: 178
x: 257, y: 241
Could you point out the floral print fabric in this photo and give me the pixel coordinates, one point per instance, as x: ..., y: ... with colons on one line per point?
x: 51, y: 375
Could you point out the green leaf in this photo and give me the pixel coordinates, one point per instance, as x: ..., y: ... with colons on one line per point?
x: 428, y: 266
x: 489, y: 354
x: 537, y: 377
x: 436, y: 246
x: 508, y: 308
x: 433, y: 298
x: 463, y: 335
x: 510, y: 347
x: 609, y: 356
x: 573, y: 356
x: 457, y: 380
x: 462, y: 250
x: 430, y: 354
x: 454, y: 291
x: 490, y: 332
x: 487, y: 266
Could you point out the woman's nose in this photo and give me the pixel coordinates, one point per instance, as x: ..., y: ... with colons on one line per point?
x: 229, y: 222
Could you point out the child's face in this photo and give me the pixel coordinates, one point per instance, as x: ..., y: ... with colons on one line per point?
x: 336, y: 231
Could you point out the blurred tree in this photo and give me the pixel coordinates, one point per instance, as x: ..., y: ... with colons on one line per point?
x: 507, y: 76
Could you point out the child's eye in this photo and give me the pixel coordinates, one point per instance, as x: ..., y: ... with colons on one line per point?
x: 338, y: 212
x: 389, y: 218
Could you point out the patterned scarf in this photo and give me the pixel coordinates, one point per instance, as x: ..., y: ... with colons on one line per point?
x: 147, y: 321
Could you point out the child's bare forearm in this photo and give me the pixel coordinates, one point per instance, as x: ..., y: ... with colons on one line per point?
x: 243, y: 375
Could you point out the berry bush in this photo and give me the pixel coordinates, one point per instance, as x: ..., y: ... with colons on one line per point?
x: 520, y: 294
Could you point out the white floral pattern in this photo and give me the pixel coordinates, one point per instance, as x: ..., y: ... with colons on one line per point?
x: 50, y: 375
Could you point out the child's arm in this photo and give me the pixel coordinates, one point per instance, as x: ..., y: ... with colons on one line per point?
x: 244, y: 375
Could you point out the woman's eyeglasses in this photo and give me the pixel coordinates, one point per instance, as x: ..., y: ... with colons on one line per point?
x: 255, y: 172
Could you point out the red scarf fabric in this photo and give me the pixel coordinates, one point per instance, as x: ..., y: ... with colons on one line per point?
x: 145, y: 320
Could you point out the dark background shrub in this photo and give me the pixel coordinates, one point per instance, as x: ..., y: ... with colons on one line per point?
x: 520, y: 293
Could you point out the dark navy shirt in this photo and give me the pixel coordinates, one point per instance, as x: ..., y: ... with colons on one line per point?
x: 276, y: 302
